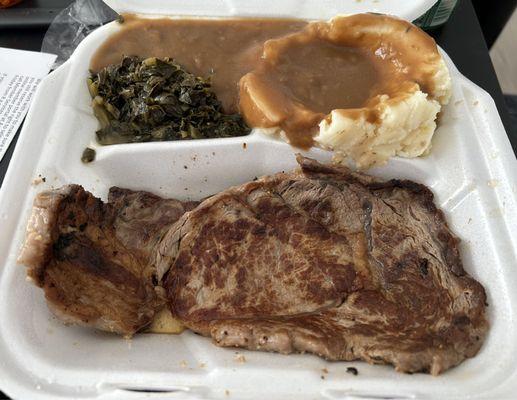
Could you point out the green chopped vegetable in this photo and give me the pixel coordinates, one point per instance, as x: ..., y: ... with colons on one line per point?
x: 88, y: 155
x: 141, y: 100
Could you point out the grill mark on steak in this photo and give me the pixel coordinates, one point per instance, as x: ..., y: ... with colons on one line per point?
x: 83, y: 253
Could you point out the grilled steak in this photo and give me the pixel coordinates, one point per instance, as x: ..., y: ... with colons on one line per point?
x: 320, y: 260
x: 92, y: 259
x: 326, y: 261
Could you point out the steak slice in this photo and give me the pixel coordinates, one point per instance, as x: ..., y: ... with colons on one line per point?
x: 93, y: 259
x: 326, y: 261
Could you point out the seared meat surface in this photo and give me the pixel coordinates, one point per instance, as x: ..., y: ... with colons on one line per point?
x: 320, y: 260
x: 93, y: 259
x: 326, y: 261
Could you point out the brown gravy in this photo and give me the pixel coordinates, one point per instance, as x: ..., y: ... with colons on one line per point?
x: 323, y: 75
x: 285, y: 72
x: 225, y: 50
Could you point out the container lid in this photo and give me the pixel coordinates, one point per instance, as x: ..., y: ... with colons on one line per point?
x: 305, y: 9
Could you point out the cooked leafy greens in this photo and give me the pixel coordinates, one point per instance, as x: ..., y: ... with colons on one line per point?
x: 141, y: 100
x: 88, y: 155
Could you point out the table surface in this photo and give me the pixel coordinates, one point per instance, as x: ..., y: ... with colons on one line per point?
x: 461, y: 38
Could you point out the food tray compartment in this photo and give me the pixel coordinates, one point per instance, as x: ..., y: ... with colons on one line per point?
x: 470, y: 169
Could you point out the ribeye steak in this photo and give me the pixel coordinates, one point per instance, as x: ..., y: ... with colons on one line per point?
x: 326, y: 261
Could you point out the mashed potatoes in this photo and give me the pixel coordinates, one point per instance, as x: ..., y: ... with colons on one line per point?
x: 366, y: 86
x: 404, y: 127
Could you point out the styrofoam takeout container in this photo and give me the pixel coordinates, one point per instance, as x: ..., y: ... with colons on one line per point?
x: 471, y: 169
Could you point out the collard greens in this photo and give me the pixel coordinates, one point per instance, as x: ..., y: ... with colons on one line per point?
x: 153, y: 99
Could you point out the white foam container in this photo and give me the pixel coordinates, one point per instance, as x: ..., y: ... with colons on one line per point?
x: 471, y: 169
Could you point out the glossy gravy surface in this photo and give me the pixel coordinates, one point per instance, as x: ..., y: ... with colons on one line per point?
x: 323, y: 75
